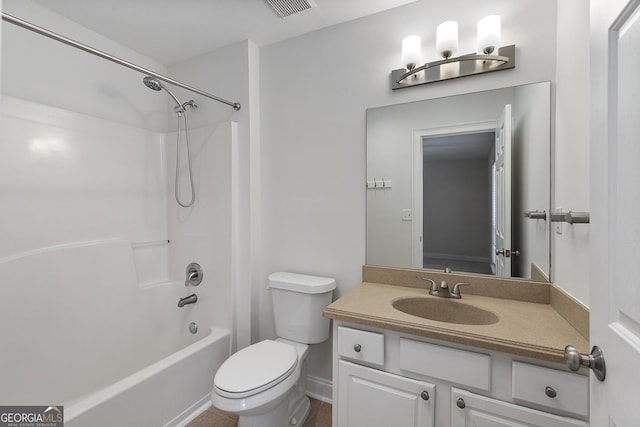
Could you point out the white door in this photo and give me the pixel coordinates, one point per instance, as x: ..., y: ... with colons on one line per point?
x: 372, y: 398
x: 503, y: 194
x: 615, y: 208
x: 472, y: 410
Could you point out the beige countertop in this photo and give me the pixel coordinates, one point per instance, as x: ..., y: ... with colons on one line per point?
x: 528, y: 329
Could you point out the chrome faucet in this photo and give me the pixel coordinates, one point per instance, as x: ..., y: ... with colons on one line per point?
x: 191, y: 299
x: 443, y: 290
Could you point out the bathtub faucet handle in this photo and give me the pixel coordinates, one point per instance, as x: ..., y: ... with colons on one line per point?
x: 194, y: 274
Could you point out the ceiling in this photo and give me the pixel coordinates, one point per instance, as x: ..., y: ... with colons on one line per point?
x: 172, y: 31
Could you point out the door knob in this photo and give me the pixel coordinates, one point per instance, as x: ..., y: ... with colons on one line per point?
x: 505, y: 252
x: 595, y: 361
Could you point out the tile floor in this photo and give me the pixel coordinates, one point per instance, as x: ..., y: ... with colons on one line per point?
x: 319, y: 416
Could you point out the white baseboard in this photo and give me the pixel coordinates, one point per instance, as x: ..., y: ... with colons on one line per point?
x: 192, y: 413
x: 319, y: 389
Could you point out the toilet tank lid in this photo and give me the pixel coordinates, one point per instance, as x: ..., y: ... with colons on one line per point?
x: 301, y: 282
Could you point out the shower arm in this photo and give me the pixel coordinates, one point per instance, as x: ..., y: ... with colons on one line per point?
x: 55, y: 36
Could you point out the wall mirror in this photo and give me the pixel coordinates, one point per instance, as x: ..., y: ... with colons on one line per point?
x: 450, y: 180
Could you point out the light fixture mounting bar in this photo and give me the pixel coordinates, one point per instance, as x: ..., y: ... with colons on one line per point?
x: 468, y: 65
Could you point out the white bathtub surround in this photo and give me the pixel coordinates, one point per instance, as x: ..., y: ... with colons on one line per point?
x: 92, y: 265
x: 67, y: 177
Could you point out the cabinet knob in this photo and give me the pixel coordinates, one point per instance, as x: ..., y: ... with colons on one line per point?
x: 424, y: 395
x: 460, y: 403
x: 550, y: 392
x: 357, y: 348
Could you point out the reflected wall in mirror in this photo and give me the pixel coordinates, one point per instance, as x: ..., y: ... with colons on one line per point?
x: 449, y: 181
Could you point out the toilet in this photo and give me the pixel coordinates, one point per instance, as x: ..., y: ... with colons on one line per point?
x: 265, y: 383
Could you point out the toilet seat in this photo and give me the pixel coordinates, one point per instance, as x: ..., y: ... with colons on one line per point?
x: 255, y: 368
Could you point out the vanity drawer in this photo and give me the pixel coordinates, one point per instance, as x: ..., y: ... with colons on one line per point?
x: 550, y: 388
x: 449, y: 364
x: 360, y: 345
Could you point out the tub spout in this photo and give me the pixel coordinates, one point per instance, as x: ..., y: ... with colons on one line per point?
x: 191, y: 299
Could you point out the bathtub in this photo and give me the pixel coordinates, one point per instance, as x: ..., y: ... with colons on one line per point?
x: 166, y: 393
x: 79, y: 330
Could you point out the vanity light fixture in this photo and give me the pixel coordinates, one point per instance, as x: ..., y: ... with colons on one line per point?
x: 447, y: 39
x: 411, y: 47
x: 491, y: 56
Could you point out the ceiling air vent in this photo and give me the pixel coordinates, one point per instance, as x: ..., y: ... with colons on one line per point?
x: 286, y: 8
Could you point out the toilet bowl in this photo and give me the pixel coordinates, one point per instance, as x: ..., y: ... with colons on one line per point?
x: 265, y: 383
x: 257, y: 382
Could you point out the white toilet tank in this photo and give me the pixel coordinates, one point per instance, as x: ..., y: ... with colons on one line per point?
x: 298, y: 301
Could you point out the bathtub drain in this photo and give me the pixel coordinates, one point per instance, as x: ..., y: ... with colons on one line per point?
x: 193, y: 327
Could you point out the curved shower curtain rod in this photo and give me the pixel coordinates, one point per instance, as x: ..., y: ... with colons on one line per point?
x: 42, y: 31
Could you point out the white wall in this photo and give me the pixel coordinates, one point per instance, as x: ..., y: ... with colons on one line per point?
x: 1, y: 24
x: 570, y: 263
x: 532, y: 125
x: 315, y: 90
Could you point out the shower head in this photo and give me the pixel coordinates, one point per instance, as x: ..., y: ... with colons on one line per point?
x: 155, y: 84
x: 152, y: 83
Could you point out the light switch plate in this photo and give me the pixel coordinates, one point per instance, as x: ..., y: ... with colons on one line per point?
x: 407, y: 215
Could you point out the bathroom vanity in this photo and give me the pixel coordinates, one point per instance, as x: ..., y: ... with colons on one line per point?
x: 395, y: 368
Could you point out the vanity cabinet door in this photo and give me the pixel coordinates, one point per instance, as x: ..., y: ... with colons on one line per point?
x: 371, y: 398
x: 472, y: 410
